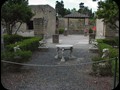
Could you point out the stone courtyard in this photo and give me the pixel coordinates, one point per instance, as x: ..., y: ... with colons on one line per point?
x: 48, y: 73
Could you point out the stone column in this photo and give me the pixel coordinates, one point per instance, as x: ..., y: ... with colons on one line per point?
x: 56, y: 36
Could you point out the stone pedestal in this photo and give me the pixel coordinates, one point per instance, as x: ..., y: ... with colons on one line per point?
x: 55, y: 38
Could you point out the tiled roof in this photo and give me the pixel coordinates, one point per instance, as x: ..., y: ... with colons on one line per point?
x: 76, y: 15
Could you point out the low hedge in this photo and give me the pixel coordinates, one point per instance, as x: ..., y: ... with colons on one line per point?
x: 113, y: 52
x: 113, y: 42
x: 27, y: 44
x: 109, y: 67
x: 101, y: 46
x: 11, y: 39
x: 19, y: 56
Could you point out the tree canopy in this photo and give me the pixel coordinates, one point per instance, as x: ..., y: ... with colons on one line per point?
x: 60, y: 8
x: 85, y: 10
x: 109, y: 12
x: 63, y: 11
x: 14, y: 11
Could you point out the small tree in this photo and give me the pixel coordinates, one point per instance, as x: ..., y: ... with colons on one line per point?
x: 60, y: 8
x: 14, y: 11
x: 109, y: 12
x: 85, y: 10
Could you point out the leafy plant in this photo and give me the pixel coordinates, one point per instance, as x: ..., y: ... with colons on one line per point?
x: 61, y: 31
x: 14, y: 11
x: 11, y: 39
x: 23, y: 56
x: 108, y: 68
x: 18, y: 57
x: 27, y: 44
x: 108, y: 11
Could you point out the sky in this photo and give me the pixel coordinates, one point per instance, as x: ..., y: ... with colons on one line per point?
x: 68, y: 4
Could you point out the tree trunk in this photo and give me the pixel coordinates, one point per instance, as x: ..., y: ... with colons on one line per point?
x: 18, y: 27
x: 8, y: 29
x: 2, y: 41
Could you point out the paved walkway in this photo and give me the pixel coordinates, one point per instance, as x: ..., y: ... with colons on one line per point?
x: 79, y: 41
x: 70, y: 76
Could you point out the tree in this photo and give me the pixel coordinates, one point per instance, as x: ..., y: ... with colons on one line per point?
x: 85, y: 10
x: 67, y: 11
x: 109, y: 12
x: 73, y: 10
x: 60, y: 8
x: 81, y: 5
x: 14, y: 11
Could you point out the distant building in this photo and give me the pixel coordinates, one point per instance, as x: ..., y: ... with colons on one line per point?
x: 43, y: 22
x: 75, y: 23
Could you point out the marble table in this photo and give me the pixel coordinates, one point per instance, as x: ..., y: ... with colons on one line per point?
x: 61, y: 48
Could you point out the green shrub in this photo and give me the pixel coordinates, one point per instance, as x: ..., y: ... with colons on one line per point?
x: 30, y: 44
x: 11, y: 39
x: 27, y: 44
x: 109, y: 41
x: 24, y: 56
x: 18, y: 57
x: 95, y: 65
x: 11, y: 56
x: 114, y: 41
x: 101, y: 46
x: 8, y: 56
x: 113, y: 52
x: 99, y: 40
x: 61, y: 31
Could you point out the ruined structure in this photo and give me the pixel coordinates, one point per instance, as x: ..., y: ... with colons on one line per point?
x: 104, y: 30
x: 43, y: 22
x: 76, y: 22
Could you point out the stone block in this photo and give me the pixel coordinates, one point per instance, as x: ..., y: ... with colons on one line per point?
x: 43, y: 49
x: 56, y: 38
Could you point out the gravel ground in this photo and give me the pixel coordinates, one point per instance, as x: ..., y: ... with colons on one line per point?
x: 70, y: 76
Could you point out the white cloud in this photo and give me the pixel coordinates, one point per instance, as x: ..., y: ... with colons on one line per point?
x: 67, y: 3
x: 36, y: 2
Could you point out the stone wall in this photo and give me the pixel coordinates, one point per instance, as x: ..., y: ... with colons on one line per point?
x: 76, y: 26
x: 100, y: 29
x: 110, y: 32
x: 104, y: 30
x: 44, y: 21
